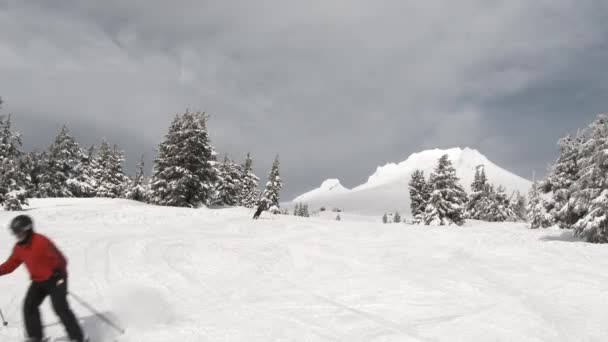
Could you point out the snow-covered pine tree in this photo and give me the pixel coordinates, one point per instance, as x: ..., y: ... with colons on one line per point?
x: 33, y: 165
x: 61, y: 165
x: 84, y: 184
x: 448, y: 199
x: 499, y: 209
x: 229, y: 184
x: 480, y: 181
x: 536, y: 210
x: 560, y: 181
x: 480, y: 198
x: 138, y: 190
x: 249, y: 184
x: 305, y: 211
x: 14, y: 179
x: 270, y: 197
x: 419, y: 195
x: 109, y: 175
x: 518, y: 206
x: 385, y: 218
x: 185, y: 170
x: 397, y: 218
x: 591, y: 189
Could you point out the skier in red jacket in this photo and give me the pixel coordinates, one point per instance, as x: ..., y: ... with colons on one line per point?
x: 48, y: 270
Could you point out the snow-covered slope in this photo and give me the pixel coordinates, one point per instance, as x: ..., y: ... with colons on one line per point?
x: 171, y: 274
x: 329, y: 187
x: 387, y: 188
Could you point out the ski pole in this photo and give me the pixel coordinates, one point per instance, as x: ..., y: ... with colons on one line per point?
x: 4, y: 322
x: 98, y: 314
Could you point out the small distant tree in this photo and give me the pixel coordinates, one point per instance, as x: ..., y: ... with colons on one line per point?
x: 338, y: 218
x: 397, y: 218
x: 385, y: 218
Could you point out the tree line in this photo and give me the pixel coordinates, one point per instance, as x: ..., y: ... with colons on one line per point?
x: 441, y: 199
x: 185, y: 172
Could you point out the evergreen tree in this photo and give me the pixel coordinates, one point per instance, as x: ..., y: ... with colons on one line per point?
x: 590, y: 199
x: 338, y: 218
x: 480, y: 198
x: 448, y: 199
x: 519, y: 207
x: 499, y: 209
x: 385, y: 218
x: 305, y: 211
x: 536, y: 215
x: 249, y: 193
x: 33, y: 164
x: 229, y: 184
x: 84, y: 183
x: 185, y: 170
x: 109, y: 175
x: 419, y: 195
x: 397, y: 218
x: 60, y: 166
x: 560, y: 181
x: 270, y: 196
x: 480, y: 181
x: 138, y: 191
x: 14, y: 180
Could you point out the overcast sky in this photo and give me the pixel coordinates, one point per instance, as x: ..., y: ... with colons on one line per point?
x: 336, y: 87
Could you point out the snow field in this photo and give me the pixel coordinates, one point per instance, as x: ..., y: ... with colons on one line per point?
x: 171, y: 274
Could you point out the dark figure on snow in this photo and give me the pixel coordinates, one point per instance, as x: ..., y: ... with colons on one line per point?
x: 259, y: 211
x: 48, y: 270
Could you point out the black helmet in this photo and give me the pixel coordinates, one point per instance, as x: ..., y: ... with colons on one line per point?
x: 21, y: 224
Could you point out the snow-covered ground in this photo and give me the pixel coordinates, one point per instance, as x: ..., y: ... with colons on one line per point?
x: 172, y: 274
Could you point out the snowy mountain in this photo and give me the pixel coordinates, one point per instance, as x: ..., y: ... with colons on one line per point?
x: 328, y: 188
x: 387, y: 188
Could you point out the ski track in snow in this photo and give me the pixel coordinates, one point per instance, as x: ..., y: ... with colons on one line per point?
x: 170, y: 274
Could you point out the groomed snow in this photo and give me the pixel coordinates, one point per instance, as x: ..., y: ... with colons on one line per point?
x: 172, y: 274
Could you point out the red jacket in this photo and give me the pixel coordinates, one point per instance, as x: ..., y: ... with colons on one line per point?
x: 40, y: 256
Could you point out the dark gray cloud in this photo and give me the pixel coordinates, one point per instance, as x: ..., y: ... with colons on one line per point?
x: 336, y: 87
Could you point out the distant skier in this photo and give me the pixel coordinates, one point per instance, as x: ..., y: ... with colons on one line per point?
x: 262, y: 206
x: 259, y: 211
x: 48, y: 270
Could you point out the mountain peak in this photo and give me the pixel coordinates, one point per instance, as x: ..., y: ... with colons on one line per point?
x: 387, y: 188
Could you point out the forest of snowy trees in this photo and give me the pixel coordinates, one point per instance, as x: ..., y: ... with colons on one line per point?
x: 441, y: 200
x: 186, y: 172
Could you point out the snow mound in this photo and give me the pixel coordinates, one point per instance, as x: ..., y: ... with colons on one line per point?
x: 387, y: 188
x: 328, y: 187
